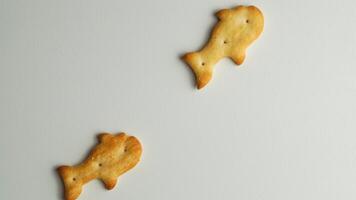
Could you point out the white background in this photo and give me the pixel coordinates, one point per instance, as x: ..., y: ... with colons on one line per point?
x: 280, y: 127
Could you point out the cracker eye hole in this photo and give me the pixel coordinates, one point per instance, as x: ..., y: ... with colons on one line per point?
x: 125, y: 150
x: 203, y: 63
x: 100, y: 164
x: 247, y: 21
x: 225, y: 42
x: 74, y: 179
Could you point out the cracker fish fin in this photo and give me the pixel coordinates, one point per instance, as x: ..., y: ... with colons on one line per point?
x: 109, y: 182
x: 222, y: 14
x: 238, y: 58
x: 104, y: 137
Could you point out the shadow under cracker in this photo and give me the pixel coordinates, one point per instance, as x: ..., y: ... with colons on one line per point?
x: 60, y: 184
x: 205, y: 41
x: 191, y: 72
x: 61, y: 188
x: 210, y: 30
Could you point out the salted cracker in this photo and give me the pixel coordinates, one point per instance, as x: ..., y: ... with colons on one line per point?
x: 113, y: 156
x: 236, y: 30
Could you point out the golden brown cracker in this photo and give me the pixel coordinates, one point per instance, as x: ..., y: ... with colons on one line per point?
x: 113, y: 156
x: 236, y: 30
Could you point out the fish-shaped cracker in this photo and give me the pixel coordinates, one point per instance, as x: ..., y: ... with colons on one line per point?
x: 113, y: 156
x: 236, y: 30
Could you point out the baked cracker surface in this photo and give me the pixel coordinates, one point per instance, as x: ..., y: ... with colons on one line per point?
x: 113, y: 156
x: 236, y: 29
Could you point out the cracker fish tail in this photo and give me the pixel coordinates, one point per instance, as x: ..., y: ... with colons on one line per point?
x: 236, y: 30
x: 113, y: 156
x: 202, y: 72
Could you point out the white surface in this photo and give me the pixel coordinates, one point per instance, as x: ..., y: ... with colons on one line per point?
x: 280, y: 127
